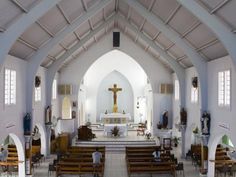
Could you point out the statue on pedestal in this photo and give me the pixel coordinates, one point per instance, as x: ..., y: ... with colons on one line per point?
x: 205, y: 123
x: 183, y: 116
x: 165, y: 119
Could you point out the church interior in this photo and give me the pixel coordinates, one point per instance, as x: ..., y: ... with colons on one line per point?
x: 147, y: 83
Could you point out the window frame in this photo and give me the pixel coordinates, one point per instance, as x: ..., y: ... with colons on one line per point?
x: 10, y: 102
x: 177, y: 96
x: 192, y: 100
x: 54, y: 89
x: 224, y: 105
x: 40, y: 98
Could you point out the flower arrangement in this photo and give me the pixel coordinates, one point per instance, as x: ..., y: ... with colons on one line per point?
x: 148, y: 134
x: 115, y: 131
x: 196, y: 130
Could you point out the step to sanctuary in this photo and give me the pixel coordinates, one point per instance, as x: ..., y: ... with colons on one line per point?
x: 116, y: 145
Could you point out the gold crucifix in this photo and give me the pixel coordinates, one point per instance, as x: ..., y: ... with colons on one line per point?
x: 115, y: 90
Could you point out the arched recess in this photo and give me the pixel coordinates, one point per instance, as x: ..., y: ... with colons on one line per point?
x: 66, y: 108
x: 126, y: 96
x: 43, y: 138
x: 21, y: 154
x: 149, y: 64
x: 212, y: 145
x: 121, y: 62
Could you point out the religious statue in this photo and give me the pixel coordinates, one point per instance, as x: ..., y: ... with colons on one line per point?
x: 205, y: 123
x: 115, y: 90
x: 48, y: 115
x: 165, y: 119
x: 183, y: 116
x: 27, y: 124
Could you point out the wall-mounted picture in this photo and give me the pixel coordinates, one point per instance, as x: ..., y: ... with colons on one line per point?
x: 73, y: 114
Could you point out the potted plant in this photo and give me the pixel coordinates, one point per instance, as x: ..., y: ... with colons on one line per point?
x: 196, y: 130
x: 115, y: 131
x: 175, y: 141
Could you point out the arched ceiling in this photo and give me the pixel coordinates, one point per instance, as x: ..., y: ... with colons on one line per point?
x: 66, y: 12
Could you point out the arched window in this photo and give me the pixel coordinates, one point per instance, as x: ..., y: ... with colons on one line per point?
x: 66, y: 108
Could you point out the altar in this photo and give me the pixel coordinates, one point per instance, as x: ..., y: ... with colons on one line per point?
x: 115, y: 118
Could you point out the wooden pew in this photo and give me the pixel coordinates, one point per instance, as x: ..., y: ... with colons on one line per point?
x: 78, y: 168
x: 151, y: 168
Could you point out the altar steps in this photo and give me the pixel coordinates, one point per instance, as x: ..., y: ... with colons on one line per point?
x: 116, y: 146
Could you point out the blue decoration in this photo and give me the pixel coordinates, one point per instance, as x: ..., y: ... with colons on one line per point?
x: 27, y: 124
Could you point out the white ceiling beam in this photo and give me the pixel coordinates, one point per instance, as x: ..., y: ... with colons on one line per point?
x: 191, y: 28
x: 84, y: 5
x: 41, y: 54
x: 18, y: 4
x: 223, y: 33
x: 218, y: 6
x: 196, y: 59
x: 45, y: 28
x: 27, y: 43
x: 116, y: 5
x: 208, y: 44
x: 64, y: 14
x: 172, y: 14
x: 90, y: 24
x: 10, y: 35
x: 151, y: 5
x: 59, y: 62
x: 179, y: 70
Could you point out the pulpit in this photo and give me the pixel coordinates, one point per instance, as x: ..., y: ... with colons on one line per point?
x: 85, y: 133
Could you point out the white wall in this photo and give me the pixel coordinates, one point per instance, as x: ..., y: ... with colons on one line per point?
x: 219, y: 115
x: 13, y: 115
x: 155, y: 71
x: 39, y: 106
x: 104, y: 98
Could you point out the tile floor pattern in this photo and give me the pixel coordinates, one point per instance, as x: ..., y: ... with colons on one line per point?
x: 115, y: 166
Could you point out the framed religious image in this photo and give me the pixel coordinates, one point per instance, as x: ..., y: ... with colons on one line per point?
x: 73, y: 114
x: 74, y: 104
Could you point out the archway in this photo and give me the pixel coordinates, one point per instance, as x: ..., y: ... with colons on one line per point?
x: 118, y: 61
x: 125, y: 98
x: 215, y: 146
x: 20, y: 153
x: 42, y: 132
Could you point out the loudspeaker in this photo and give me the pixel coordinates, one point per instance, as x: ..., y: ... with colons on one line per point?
x: 116, y: 39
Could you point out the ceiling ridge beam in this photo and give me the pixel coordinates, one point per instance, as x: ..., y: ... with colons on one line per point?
x: 179, y: 70
x: 10, y: 35
x: 57, y: 64
x: 223, y: 33
x: 196, y: 59
x: 41, y: 54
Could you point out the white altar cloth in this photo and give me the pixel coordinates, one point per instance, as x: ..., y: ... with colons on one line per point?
x: 115, y: 118
x: 123, y: 129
